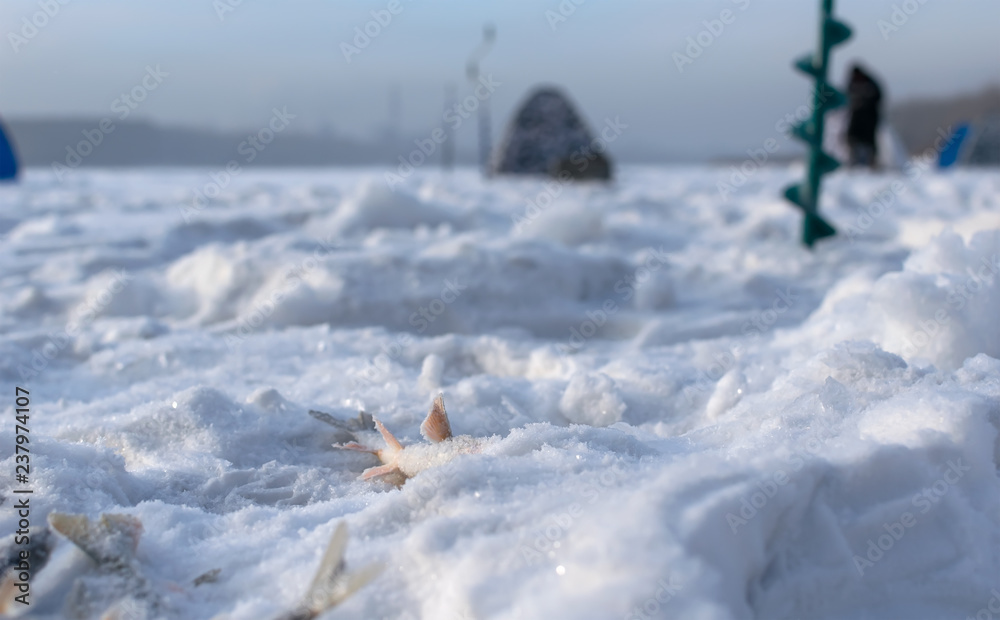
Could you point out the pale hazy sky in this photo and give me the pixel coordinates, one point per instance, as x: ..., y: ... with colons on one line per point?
x: 615, y: 57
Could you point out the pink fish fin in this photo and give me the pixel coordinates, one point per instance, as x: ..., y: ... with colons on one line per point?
x: 381, y: 470
x: 355, y: 447
x: 436, y: 427
x: 390, y: 440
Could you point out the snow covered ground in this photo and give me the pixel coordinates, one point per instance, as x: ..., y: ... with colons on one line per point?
x: 696, y: 417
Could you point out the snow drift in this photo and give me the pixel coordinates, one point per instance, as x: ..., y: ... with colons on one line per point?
x: 695, y: 417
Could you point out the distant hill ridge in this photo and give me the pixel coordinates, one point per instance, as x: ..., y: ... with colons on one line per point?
x: 918, y: 120
x: 43, y: 142
x: 75, y: 142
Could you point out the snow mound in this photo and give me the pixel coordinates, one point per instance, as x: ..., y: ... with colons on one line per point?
x: 682, y: 413
x: 564, y: 222
x: 591, y: 398
x: 374, y: 206
x: 943, y: 306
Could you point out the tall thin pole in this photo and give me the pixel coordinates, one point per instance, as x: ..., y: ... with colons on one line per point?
x: 448, y: 147
x: 484, y: 117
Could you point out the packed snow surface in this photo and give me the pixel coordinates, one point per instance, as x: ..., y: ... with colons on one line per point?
x: 692, y: 416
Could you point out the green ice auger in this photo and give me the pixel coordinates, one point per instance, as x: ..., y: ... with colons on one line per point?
x: 825, y: 98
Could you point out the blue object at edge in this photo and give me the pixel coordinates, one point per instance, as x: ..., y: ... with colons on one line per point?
x: 8, y: 160
x: 949, y: 156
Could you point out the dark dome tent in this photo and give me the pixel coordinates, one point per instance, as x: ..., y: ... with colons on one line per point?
x: 548, y: 136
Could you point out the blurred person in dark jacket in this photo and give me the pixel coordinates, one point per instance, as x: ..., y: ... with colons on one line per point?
x: 865, y: 99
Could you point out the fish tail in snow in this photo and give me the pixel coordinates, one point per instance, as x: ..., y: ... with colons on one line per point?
x: 111, y: 539
x: 7, y: 593
x: 332, y: 585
